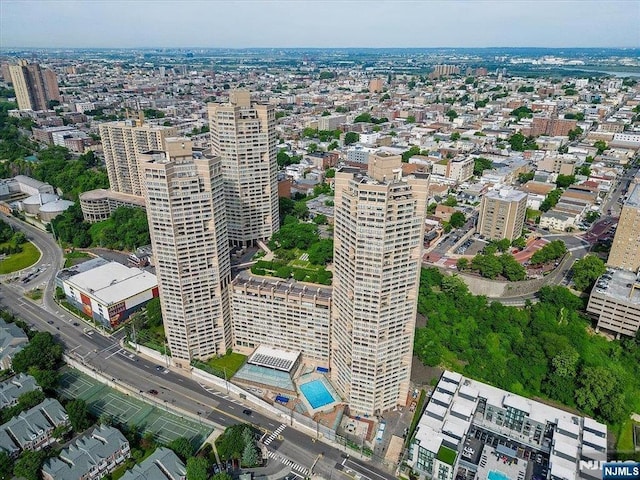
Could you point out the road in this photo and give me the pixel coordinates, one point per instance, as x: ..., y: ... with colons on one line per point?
x: 175, y: 388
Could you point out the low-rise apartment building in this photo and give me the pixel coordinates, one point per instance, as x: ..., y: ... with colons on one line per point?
x: 162, y: 464
x: 33, y: 429
x: 11, y: 390
x: 90, y: 457
x: 470, y: 428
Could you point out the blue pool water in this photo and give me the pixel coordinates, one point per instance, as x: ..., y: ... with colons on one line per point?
x: 495, y: 475
x: 316, y: 394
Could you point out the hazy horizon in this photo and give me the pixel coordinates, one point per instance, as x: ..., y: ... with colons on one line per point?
x: 319, y: 24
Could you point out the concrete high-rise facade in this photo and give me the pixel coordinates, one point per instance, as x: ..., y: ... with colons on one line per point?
x: 625, y: 250
x: 243, y: 135
x: 502, y: 214
x: 122, y: 142
x: 187, y: 223
x: 378, y: 237
x: 34, y: 86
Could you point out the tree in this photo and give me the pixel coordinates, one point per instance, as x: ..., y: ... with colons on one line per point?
x: 575, y: 133
x: 551, y: 251
x: 584, y: 170
x: 564, y: 181
x: 413, y: 150
x: 462, y: 264
x: 511, y: 269
x: 586, y: 271
x: 457, y: 219
x: 551, y: 200
x: 450, y: 201
x: 363, y: 118
x: 154, y: 312
x: 520, y: 242
x: 79, y: 415
x: 410, y: 119
x: 182, y: 447
x: 351, y: 137
x: 321, y: 252
x: 520, y: 143
x: 197, y: 468
x: 222, y: 476
x: 312, y: 148
x: 480, y: 164
x: 330, y: 173
x: 29, y: 464
x: 454, y: 136
x: 522, y: 112
x: 601, y: 145
x: 42, y: 352
x: 6, y: 466
x: 451, y: 114
x: 249, y: 455
x: 301, y: 210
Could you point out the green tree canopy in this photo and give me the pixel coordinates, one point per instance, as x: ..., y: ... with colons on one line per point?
x: 79, y: 415
x: 586, y: 271
x: 351, y: 137
x: 197, y: 468
x: 480, y: 164
x: 564, y: 181
x: 457, y: 219
x: 551, y: 251
x: 42, y: 352
x: 29, y: 464
x: 182, y: 447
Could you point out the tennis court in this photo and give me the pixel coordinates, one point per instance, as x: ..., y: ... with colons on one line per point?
x: 127, y: 410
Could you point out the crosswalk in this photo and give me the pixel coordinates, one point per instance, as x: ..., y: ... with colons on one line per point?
x: 274, y: 434
x: 290, y: 463
x: 218, y: 394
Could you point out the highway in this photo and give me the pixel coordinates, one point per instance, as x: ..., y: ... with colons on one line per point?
x: 175, y: 387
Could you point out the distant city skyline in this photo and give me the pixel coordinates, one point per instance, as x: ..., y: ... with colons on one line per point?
x: 320, y: 24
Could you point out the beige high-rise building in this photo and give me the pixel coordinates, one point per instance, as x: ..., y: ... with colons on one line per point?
x: 625, y: 250
x: 122, y: 142
x: 378, y: 237
x: 34, y: 86
x: 502, y: 214
x: 243, y: 135
x: 187, y: 223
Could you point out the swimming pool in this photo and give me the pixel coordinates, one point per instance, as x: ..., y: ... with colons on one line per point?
x: 316, y: 393
x: 496, y: 475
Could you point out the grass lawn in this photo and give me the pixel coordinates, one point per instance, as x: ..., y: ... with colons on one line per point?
x: 73, y: 257
x: 231, y: 362
x: 17, y: 261
x: 625, y: 438
x: 35, y: 294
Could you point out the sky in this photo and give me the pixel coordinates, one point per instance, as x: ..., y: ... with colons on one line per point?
x: 319, y: 23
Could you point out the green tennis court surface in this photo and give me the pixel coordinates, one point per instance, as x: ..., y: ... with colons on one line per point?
x: 127, y: 410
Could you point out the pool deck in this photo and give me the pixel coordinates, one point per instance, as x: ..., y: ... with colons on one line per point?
x: 303, y: 380
x: 490, y: 460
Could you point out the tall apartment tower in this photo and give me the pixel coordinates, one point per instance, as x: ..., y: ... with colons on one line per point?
x: 122, y: 142
x: 187, y: 223
x: 34, y: 86
x: 378, y: 238
x: 243, y: 135
x: 502, y: 214
x: 625, y: 250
